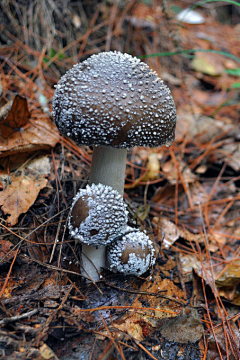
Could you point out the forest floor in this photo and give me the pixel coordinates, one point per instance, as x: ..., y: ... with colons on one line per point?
x: 186, y: 197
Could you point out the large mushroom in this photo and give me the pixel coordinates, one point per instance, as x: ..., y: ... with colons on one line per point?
x: 113, y: 101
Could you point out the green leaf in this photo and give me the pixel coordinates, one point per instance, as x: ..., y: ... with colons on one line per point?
x: 235, y: 85
x: 234, y: 72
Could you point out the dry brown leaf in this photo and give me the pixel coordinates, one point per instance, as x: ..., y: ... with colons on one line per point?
x: 227, y: 292
x: 4, y: 110
x: 16, y: 119
x: 231, y: 275
x: 231, y: 154
x: 171, y: 172
x: 39, y: 252
x: 219, y: 336
x: 23, y: 188
x: 143, y: 16
x: 204, y: 127
x: 228, y: 282
x: 12, y: 284
x: 189, y: 262
x: 132, y: 328
x: 172, y: 233
x: 47, y: 353
x: 37, y: 135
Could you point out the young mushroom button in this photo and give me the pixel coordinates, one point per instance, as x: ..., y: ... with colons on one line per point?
x: 113, y: 101
x: 131, y: 253
x: 98, y: 214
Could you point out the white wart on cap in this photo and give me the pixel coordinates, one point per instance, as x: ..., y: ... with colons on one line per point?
x: 114, y: 99
x: 98, y: 214
x: 131, y: 253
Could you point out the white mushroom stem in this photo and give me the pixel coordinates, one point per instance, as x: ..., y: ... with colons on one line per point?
x: 92, y: 260
x: 108, y: 167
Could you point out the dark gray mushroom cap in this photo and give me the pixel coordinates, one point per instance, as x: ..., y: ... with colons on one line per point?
x: 98, y: 214
x: 114, y: 99
x: 131, y: 253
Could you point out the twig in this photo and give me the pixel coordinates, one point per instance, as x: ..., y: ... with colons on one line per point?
x: 19, y: 317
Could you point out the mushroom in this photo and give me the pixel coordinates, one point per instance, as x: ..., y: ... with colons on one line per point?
x: 113, y: 101
x: 131, y: 253
x: 98, y: 214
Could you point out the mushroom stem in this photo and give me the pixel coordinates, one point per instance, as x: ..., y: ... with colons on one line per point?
x: 108, y: 167
x: 92, y: 260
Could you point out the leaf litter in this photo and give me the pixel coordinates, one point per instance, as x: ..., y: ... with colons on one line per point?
x: 186, y: 197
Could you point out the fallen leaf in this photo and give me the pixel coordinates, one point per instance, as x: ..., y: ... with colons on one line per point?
x: 231, y: 154
x: 23, y: 188
x: 17, y: 117
x: 40, y: 134
x: 227, y: 292
x: 183, y: 328
x: 172, y: 233
x: 208, y: 64
x: 147, y: 311
x: 202, y: 127
x: 12, y: 284
x: 5, y: 251
x: 47, y: 353
x: 143, y: 16
x: 217, y: 342
x: 189, y: 262
x: 4, y: 110
x: 132, y: 328
x: 171, y: 172
x: 231, y: 275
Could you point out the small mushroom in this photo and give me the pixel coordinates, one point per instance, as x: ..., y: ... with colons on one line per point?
x: 98, y: 214
x: 131, y: 253
x: 113, y: 101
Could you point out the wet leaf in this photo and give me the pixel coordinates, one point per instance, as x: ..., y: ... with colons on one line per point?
x: 183, y: 328
x: 5, y: 251
x: 141, y: 321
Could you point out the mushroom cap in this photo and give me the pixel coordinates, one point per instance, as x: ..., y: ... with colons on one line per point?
x: 114, y: 99
x: 131, y: 253
x: 98, y: 214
